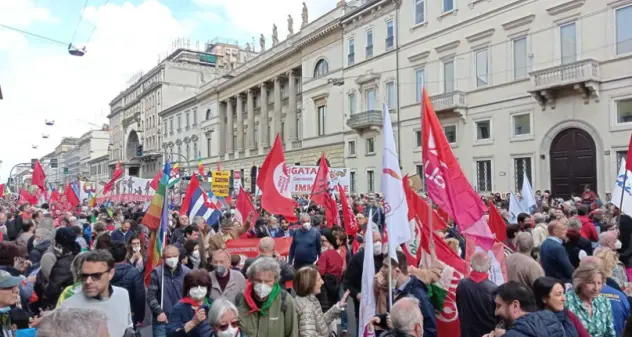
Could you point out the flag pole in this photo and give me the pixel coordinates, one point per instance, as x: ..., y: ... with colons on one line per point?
x: 423, y: 177
x: 625, y: 179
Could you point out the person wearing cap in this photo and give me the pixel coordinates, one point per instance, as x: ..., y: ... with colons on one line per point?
x: 9, y: 296
x: 65, y: 249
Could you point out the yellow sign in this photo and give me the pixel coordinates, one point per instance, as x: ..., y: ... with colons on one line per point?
x: 221, y: 183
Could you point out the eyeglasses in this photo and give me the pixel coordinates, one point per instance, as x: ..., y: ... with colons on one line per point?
x: 9, y: 288
x: 234, y: 324
x: 94, y: 276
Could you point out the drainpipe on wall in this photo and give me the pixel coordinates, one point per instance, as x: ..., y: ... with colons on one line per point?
x: 399, y: 124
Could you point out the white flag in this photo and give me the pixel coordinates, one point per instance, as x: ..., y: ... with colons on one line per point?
x: 367, y: 297
x: 528, y: 197
x: 626, y: 190
x: 395, y: 206
x: 515, y: 208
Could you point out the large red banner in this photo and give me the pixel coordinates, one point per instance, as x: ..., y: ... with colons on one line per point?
x: 249, y: 248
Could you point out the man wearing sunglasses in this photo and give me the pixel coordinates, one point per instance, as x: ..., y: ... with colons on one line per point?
x: 95, y: 274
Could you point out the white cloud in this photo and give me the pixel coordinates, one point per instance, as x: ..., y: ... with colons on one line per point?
x: 42, y: 81
x: 256, y: 17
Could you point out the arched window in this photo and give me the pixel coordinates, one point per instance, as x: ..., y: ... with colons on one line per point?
x: 321, y: 69
x: 208, y: 114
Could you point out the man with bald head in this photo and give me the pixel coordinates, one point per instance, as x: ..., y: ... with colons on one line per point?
x: 553, y: 255
x: 266, y: 249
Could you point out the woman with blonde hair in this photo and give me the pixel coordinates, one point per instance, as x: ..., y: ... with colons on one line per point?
x: 586, y: 302
x: 614, y: 269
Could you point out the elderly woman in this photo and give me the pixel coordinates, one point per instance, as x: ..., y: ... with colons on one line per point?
x: 224, y: 319
x: 311, y: 320
x: 584, y: 300
x: 265, y: 309
x: 65, y: 322
x: 549, y: 295
x: 615, y: 272
x: 188, y: 317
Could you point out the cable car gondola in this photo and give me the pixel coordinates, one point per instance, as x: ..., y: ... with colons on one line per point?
x: 34, y: 146
x: 50, y: 123
x: 74, y: 51
x: 44, y: 136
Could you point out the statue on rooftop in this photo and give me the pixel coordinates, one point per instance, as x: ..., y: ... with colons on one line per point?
x: 275, y: 35
x: 290, y: 24
x: 262, y: 42
x: 304, y: 16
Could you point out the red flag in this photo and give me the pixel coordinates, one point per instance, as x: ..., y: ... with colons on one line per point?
x: 194, y: 184
x: 274, y: 182
x: 497, y: 224
x: 118, y: 172
x: 54, y: 197
x: 65, y: 202
x: 38, y: 176
x: 71, y: 197
x: 1, y: 190
x: 156, y: 181
x: 321, y: 194
x: 26, y: 197
x: 349, y: 219
x: 244, y: 207
x: 446, y: 184
x: 628, y: 161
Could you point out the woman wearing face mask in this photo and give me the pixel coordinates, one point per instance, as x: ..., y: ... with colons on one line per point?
x: 136, y: 254
x: 193, y: 254
x: 224, y: 319
x: 330, y: 269
x: 188, y: 316
x: 549, y: 295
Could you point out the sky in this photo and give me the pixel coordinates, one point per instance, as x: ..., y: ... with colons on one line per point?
x: 40, y: 81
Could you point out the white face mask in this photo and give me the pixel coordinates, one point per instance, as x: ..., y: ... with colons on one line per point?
x: 262, y: 290
x: 229, y: 332
x: 618, y: 245
x: 197, y: 293
x: 460, y: 251
x: 136, y: 249
x: 307, y: 225
x: 377, y: 248
x: 172, y: 262
x: 196, y: 254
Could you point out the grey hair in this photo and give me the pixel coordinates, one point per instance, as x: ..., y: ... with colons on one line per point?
x: 76, y: 265
x: 72, y: 322
x: 264, y: 264
x: 273, y: 219
x: 266, y: 243
x: 219, y: 308
x: 524, y: 243
x: 404, y: 314
x: 45, y: 234
x: 539, y: 218
x: 198, y: 219
x: 480, y: 262
x: 574, y: 223
x: 305, y: 215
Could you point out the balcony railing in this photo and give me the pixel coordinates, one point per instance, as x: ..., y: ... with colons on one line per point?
x: 449, y: 101
x: 365, y: 120
x: 566, y: 74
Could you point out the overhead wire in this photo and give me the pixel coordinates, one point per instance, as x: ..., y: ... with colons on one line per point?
x: 79, y: 23
x: 95, y: 26
x: 34, y: 35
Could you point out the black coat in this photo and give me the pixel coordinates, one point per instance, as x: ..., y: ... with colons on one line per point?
x: 537, y: 324
x: 128, y: 277
x: 574, y: 245
x: 352, y: 279
x: 35, y: 255
x: 476, y: 306
x: 60, y: 278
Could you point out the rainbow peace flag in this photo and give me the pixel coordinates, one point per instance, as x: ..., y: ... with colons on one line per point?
x: 201, y: 167
x: 156, y: 218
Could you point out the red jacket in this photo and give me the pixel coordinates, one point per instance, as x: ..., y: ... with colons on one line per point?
x: 330, y: 262
x: 589, y: 231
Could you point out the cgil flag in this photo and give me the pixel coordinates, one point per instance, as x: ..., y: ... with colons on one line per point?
x: 395, y: 205
x: 367, y: 296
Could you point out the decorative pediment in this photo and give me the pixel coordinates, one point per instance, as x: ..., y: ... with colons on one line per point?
x: 419, y: 56
x: 480, y: 35
x: 370, y: 76
x: 448, y: 46
x: 565, y: 7
x: 519, y: 22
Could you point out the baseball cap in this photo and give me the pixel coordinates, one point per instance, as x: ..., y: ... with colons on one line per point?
x: 8, y: 281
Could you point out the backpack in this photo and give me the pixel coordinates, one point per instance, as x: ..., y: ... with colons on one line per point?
x: 240, y: 298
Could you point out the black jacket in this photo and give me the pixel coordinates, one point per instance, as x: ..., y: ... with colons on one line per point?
x: 60, y: 278
x: 352, y: 279
x: 128, y: 277
x: 575, y: 244
x: 476, y: 306
x: 35, y: 255
x: 537, y: 324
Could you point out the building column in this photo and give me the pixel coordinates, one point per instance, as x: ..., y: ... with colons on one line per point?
x: 240, y: 124
x: 291, y: 112
x: 229, y: 127
x: 222, y: 128
x: 250, y: 105
x: 276, y: 120
x: 263, y: 122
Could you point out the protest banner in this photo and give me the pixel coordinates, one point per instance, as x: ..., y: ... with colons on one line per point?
x: 249, y: 248
x: 302, y: 178
x: 221, y: 183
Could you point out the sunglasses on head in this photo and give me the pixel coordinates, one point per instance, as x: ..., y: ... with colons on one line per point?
x: 95, y: 276
x: 234, y: 324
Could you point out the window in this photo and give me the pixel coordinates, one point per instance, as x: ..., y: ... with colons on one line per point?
x: 194, y: 112
x: 448, y: 5
x: 624, y: 30
x: 522, y: 166
x: 187, y: 120
x: 257, y: 137
x: 483, y: 130
x: 322, y: 68
x: 520, y: 57
x: 208, y: 147
x: 482, y: 67
x: 283, y: 132
x: 624, y: 110
x: 420, y: 11
x: 370, y: 180
x: 369, y: 44
x: 419, y: 170
x: 450, y: 133
x: 321, y: 120
x: 351, y: 55
x: 621, y: 155
x: 448, y: 76
x: 390, y: 95
x: 352, y: 104
x: 370, y: 99
x: 352, y: 182
x: 418, y: 138
x: 370, y: 146
x: 420, y: 74
x: 164, y: 128
x: 568, y: 42
x: 390, y: 40
x: 171, y: 125
x: 484, y: 175
x: 179, y: 123
x: 521, y: 124
x: 351, y: 148
x: 195, y: 150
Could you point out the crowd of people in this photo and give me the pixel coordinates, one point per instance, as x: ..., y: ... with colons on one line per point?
x: 568, y: 265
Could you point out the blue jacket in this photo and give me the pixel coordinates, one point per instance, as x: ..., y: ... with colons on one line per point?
x: 128, y: 277
x: 620, y: 307
x: 536, y: 324
x: 173, y: 289
x: 555, y: 261
x: 179, y: 316
x: 305, y: 247
x: 417, y: 289
x: 119, y: 236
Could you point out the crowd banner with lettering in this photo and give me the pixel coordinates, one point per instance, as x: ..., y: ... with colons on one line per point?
x: 302, y: 178
x: 126, y: 189
x: 249, y: 248
x: 221, y: 183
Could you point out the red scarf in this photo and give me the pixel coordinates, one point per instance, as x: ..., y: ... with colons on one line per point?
x: 478, y: 277
x: 190, y: 301
x: 248, y: 297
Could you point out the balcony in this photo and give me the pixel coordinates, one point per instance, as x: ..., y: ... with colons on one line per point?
x: 371, y: 119
x: 580, y: 76
x: 455, y: 101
